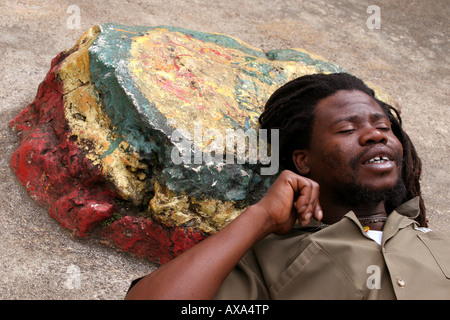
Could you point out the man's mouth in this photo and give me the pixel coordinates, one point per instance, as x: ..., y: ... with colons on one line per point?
x: 379, y: 161
x: 382, y: 159
x: 377, y: 155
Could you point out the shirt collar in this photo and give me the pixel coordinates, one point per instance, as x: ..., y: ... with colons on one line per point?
x: 410, y: 209
x: 400, y: 218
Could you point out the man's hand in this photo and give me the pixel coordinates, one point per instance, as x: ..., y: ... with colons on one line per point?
x: 291, y: 197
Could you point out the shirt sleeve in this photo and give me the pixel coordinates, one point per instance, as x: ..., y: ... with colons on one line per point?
x: 245, y: 282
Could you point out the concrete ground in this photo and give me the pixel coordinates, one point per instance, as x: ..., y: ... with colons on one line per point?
x: 408, y: 56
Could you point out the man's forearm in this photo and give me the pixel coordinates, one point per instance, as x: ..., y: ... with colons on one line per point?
x: 199, y: 272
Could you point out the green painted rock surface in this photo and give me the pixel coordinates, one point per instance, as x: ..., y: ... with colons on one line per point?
x: 166, y: 88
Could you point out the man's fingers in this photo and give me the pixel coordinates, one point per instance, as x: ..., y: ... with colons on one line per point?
x: 318, y: 213
x: 291, y: 197
x: 307, y: 203
x: 308, y: 197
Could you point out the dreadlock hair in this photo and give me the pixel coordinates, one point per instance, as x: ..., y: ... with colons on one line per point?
x: 291, y: 109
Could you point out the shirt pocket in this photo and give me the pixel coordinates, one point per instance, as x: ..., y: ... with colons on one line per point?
x: 295, y: 267
x: 314, y: 275
x: 439, y: 246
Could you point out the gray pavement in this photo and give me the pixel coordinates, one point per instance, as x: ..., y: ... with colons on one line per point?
x: 408, y: 56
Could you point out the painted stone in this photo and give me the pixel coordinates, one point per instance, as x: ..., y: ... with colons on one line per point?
x: 131, y: 135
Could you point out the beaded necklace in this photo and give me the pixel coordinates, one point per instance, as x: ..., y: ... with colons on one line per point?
x: 363, y: 221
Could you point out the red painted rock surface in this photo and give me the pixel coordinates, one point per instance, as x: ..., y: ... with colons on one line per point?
x: 57, y: 174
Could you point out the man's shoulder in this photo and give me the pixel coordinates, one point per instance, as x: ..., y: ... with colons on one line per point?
x: 281, y: 246
x: 295, y: 235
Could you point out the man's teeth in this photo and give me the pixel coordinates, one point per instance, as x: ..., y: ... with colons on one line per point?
x: 378, y: 160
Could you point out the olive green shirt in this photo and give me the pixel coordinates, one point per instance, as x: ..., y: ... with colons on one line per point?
x: 342, y: 262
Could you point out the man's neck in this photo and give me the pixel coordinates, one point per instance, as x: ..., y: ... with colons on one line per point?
x: 334, y: 210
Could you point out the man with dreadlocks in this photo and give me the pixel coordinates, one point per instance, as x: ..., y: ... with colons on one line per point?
x: 351, y: 180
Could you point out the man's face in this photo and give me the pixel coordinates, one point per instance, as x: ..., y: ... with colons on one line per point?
x: 353, y: 145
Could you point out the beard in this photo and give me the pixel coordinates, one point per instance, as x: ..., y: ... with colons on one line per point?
x: 354, y: 193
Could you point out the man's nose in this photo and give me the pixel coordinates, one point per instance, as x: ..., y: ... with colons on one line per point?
x: 372, y: 135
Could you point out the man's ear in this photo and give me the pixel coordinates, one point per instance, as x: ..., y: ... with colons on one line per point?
x: 300, y: 159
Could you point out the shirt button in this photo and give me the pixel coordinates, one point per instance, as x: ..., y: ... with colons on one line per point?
x: 400, y: 282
